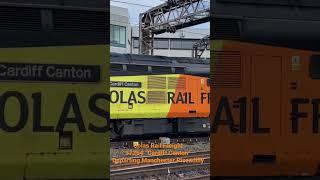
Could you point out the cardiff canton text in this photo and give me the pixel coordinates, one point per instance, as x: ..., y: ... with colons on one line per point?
x: 48, y: 72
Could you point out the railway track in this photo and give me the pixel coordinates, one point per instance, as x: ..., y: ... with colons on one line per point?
x: 125, y: 171
x: 201, y: 177
x: 162, y: 170
x: 157, y: 170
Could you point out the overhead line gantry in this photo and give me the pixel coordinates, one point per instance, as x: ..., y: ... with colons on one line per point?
x: 169, y: 17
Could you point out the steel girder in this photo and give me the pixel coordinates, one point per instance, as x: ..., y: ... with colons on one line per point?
x: 169, y: 17
x: 200, y: 46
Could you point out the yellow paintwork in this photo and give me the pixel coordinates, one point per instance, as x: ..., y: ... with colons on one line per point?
x: 21, y: 152
x: 216, y: 45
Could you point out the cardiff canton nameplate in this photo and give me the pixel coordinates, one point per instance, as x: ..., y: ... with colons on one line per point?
x: 49, y: 72
x: 125, y: 84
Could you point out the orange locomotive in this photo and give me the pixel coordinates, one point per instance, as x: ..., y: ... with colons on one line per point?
x: 265, y: 110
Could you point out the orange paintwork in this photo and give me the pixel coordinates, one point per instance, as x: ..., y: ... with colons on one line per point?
x: 268, y: 73
x: 196, y: 86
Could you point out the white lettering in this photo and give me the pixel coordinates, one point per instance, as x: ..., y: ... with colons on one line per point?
x: 68, y: 73
x: 4, y: 72
x: 44, y: 72
x: 50, y: 71
x: 39, y: 70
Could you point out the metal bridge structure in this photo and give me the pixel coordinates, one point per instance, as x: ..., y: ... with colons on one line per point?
x: 169, y: 17
x: 200, y: 46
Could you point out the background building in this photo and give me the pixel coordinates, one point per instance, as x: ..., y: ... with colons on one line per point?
x: 120, y: 30
x: 125, y: 39
x: 177, y: 44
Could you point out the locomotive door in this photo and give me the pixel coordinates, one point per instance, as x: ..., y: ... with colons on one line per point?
x: 301, y: 94
x: 191, y: 106
x: 191, y: 101
x: 265, y: 111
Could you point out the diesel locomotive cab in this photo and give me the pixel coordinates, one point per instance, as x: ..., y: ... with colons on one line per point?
x: 53, y: 91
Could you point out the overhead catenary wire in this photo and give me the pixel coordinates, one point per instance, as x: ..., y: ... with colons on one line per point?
x: 135, y: 4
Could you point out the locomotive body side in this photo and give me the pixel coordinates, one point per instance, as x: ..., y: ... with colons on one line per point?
x: 54, y: 104
x: 265, y: 113
x: 53, y: 126
x: 159, y: 105
x: 159, y: 96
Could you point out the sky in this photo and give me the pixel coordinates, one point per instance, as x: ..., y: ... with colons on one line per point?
x: 135, y: 7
